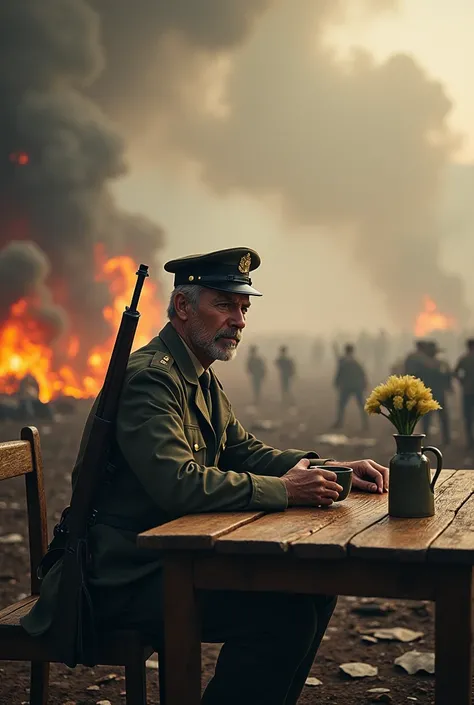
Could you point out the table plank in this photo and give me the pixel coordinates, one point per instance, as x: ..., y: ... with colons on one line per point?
x: 194, y: 531
x: 361, y: 511
x: 456, y: 543
x: 357, y: 513
x: 409, y: 539
x: 274, y: 532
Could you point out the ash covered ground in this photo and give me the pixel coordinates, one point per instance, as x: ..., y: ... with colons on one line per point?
x: 299, y: 426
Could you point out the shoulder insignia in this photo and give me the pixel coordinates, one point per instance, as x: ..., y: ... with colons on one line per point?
x: 162, y: 360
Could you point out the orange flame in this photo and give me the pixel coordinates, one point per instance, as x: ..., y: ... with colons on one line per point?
x: 23, y: 351
x: 430, y: 319
x: 21, y: 158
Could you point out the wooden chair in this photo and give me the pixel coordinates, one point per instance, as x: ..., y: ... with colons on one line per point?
x: 117, y: 648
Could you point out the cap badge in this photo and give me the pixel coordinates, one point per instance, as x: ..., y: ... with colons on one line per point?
x: 244, y: 264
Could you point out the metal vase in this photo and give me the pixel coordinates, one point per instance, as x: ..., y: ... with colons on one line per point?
x: 411, y: 487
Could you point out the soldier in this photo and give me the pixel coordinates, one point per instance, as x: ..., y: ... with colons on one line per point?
x: 416, y: 360
x: 437, y: 375
x: 257, y: 370
x: 464, y: 372
x: 30, y: 405
x: 179, y: 449
x: 350, y: 381
x: 286, y: 370
x: 28, y: 394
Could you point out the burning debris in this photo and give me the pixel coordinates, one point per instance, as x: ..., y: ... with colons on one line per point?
x: 66, y: 364
x: 431, y: 319
x: 68, y: 254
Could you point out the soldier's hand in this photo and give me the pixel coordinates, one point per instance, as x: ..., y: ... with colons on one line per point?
x: 307, y: 486
x: 367, y: 475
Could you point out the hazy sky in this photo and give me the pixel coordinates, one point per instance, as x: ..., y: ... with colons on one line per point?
x: 439, y: 33
x: 316, y: 287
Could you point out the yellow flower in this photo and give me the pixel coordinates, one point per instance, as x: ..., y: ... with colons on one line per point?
x: 424, y: 406
x: 372, y: 405
x: 411, y: 391
x: 398, y: 402
x: 401, y: 392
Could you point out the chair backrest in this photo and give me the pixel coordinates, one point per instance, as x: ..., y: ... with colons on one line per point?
x: 24, y: 458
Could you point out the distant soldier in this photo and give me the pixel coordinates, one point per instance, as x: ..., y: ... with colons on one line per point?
x: 30, y: 406
x: 350, y: 381
x: 416, y: 360
x: 464, y: 372
x: 437, y: 375
x: 256, y: 369
x: 28, y: 394
x: 286, y: 370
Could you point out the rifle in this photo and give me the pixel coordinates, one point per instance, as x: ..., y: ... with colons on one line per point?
x: 73, y: 622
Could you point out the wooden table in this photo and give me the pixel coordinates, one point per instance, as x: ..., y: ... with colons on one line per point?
x: 351, y: 548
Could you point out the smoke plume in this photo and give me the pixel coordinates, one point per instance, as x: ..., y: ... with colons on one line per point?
x: 355, y: 146
x: 352, y: 145
x: 23, y: 273
x: 58, y: 154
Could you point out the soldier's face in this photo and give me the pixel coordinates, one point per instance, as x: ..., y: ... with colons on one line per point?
x: 215, y: 326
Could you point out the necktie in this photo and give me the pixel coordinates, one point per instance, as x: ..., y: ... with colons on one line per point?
x: 205, y: 382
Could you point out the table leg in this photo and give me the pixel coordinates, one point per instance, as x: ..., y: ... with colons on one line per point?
x: 454, y: 632
x: 182, y: 634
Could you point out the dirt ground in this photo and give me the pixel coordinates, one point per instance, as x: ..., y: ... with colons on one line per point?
x: 297, y: 427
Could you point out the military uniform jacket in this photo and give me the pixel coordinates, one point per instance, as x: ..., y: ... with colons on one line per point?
x: 170, y: 460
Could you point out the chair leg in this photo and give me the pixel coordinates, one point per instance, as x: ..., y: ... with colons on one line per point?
x: 161, y: 676
x: 135, y: 682
x: 39, y: 683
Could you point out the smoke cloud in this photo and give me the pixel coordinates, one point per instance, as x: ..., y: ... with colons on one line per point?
x: 352, y: 145
x: 156, y: 50
x: 347, y: 146
x: 58, y: 154
x: 23, y: 272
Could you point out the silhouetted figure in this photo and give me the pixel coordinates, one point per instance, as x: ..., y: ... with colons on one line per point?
x: 437, y: 375
x: 464, y: 372
x: 30, y: 406
x: 415, y: 361
x: 350, y: 381
x: 257, y: 370
x: 286, y: 370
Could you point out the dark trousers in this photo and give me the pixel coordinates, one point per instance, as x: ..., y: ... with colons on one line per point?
x: 344, y: 398
x: 269, y: 639
x: 257, y: 388
x: 468, y: 415
x: 443, y: 416
x: 286, y: 392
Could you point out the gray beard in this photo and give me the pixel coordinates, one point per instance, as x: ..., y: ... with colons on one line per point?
x: 200, y: 338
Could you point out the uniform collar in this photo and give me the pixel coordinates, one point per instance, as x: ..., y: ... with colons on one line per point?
x: 181, y: 353
x: 197, y: 365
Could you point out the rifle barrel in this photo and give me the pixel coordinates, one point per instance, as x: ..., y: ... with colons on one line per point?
x: 142, y: 274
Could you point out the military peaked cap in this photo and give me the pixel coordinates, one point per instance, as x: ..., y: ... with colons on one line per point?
x: 224, y: 270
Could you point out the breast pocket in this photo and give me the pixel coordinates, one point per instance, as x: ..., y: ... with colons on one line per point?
x: 196, y: 443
